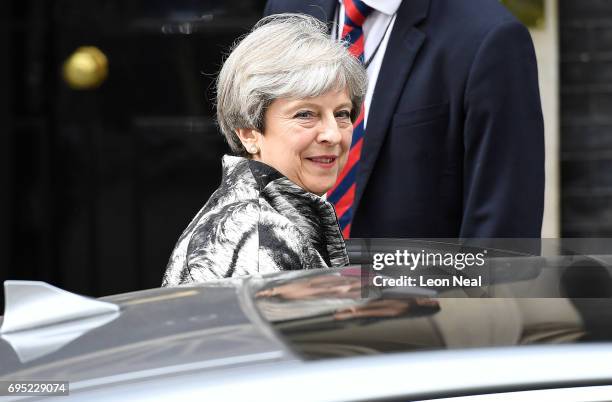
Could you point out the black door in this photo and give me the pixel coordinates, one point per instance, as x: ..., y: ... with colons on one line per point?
x: 99, y: 183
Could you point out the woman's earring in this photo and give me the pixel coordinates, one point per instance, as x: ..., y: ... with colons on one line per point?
x: 253, y: 149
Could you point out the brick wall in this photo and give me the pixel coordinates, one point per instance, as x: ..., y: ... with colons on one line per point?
x: 585, y: 29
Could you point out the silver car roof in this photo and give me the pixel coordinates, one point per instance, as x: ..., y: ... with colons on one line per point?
x: 201, y: 326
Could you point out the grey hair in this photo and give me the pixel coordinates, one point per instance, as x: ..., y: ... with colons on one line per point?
x: 284, y: 56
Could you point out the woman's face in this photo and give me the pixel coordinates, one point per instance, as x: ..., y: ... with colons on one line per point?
x: 308, y: 140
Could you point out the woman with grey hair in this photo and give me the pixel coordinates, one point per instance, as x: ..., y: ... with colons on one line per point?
x: 287, y: 98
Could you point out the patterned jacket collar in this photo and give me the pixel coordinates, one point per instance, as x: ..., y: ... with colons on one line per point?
x: 314, y: 217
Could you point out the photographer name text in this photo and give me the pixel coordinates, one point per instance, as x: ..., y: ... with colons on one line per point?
x: 423, y: 281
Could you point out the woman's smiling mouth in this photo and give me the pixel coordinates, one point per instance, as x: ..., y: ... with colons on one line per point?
x: 325, y: 161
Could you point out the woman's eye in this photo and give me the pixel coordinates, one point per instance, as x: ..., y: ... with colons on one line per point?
x: 344, y: 114
x: 304, y: 115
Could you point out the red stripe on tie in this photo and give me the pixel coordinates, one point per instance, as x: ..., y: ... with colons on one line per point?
x: 346, y: 202
x: 346, y: 233
x: 360, y: 117
x: 356, y: 49
x: 354, y: 155
x: 346, y: 29
x: 353, y: 12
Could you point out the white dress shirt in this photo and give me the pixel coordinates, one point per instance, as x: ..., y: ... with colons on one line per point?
x: 382, y: 16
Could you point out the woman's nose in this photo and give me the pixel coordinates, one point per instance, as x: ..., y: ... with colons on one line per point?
x: 330, y: 132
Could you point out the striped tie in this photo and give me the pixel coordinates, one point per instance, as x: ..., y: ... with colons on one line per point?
x: 343, y: 192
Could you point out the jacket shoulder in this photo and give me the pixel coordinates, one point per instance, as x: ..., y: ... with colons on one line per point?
x: 244, y: 238
x: 478, y: 12
x: 472, y: 17
x: 225, y: 223
x: 221, y: 238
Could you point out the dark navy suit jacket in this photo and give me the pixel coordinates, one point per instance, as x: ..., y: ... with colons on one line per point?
x: 454, y: 143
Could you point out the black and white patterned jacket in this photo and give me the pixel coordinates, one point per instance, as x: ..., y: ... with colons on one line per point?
x: 256, y: 222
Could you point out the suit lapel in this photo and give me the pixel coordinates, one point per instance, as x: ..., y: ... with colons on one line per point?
x: 402, y: 49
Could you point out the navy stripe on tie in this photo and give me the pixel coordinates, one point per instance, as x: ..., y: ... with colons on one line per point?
x: 345, y: 219
x: 363, y: 8
x: 349, y: 21
x: 344, y: 185
x: 353, y: 36
x: 357, y: 134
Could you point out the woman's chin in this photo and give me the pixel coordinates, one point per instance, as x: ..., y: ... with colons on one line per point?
x: 321, y: 188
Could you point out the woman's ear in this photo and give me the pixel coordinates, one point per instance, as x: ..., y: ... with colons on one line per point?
x: 250, y: 139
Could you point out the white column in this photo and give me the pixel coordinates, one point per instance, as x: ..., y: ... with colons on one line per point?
x: 546, y: 42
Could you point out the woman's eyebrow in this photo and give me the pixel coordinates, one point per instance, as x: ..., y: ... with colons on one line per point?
x: 316, y: 105
x: 301, y: 104
x: 291, y: 108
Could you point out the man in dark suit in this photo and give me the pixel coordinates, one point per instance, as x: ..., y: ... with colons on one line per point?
x: 454, y: 139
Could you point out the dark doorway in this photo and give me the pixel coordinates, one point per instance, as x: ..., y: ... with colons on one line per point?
x: 98, y: 184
